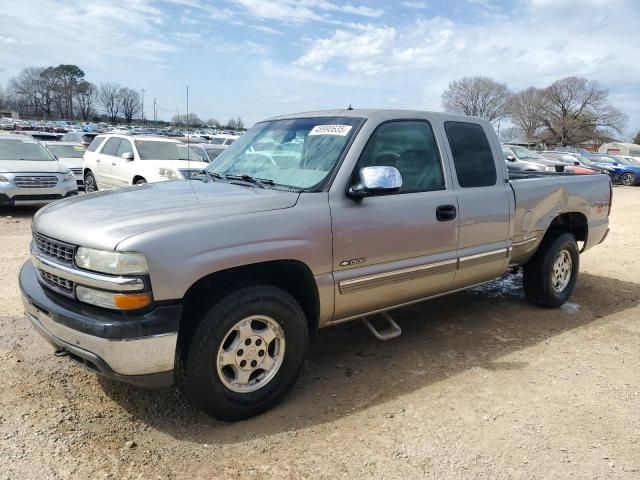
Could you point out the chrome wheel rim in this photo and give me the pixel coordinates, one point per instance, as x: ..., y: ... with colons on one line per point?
x: 627, y: 179
x: 251, y: 354
x: 562, y: 267
x: 89, y: 184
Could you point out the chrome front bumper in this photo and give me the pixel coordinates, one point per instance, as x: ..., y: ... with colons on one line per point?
x: 138, y: 356
x: 134, y: 348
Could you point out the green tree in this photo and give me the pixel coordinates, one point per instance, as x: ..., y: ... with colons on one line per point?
x: 636, y: 139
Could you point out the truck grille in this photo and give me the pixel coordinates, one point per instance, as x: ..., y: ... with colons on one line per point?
x: 54, y: 248
x: 57, y: 283
x: 35, y: 181
x: 76, y: 171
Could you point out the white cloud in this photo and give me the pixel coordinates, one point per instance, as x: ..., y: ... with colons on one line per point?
x: 416, y: 5
x: 303, y: 11
x: 364, y: 51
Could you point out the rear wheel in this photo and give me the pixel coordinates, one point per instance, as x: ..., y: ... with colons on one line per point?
x: 90, y: 184
x: 628, y: 179
x: 246, y: 353
x: 550, y: 276
x: 140, y: 181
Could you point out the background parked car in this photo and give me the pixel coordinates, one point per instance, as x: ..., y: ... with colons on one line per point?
x: 623, y: 171
x: 521, y: 159
x: 30, y: 174
x: 572, y: 164
x: 71, y: 154
x: 116, y: 160
x: 83, y: 138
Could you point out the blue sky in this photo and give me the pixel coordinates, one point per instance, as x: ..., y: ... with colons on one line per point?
x: 257, y: 58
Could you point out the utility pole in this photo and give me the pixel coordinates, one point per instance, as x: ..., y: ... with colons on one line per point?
x: 154, y: 112
x: 143, y: 90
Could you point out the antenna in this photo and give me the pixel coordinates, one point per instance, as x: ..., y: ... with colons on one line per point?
x: 190, y: 179
x: 350, y: 107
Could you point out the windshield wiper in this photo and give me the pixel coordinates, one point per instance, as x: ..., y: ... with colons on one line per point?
x: 260, y: 182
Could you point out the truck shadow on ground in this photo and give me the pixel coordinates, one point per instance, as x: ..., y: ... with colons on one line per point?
x: 348, y: 370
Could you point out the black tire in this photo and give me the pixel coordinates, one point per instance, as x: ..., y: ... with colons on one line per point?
x: 628, y: 179
x: 140, y: 181
x: 539, y: 271
x: 90, y: 184
x: 200, y: 379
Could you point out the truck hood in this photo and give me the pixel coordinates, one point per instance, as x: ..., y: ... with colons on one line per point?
x: 103, y: 219
x: 25, y: 166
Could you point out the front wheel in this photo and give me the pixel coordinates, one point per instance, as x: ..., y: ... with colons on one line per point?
x: 90, y: 184
x: 140, y: 181
x: 551, y: 274
x: 628, y: 179
x: 246, y: 353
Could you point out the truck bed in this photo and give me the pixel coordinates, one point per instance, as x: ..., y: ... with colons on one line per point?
x: 541, y: 197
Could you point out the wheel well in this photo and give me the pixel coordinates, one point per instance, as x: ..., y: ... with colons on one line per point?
x: 138, y: 177
x: 86, y: 170
x: 573, y: 222
x: 293, y: 276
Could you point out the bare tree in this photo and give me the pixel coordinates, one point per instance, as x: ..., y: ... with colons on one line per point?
x: 212, y: 122
x: 109, y: 100
x: 31, y: 93
x: 577, y: 109
x: 130, y: 103
x: 85, y: 99
x: 477, y: 96
x: 511, y: 134
x: 526, y: 110
x: 192, y: 119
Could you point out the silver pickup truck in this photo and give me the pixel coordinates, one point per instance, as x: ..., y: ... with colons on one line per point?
x: 306, y: 221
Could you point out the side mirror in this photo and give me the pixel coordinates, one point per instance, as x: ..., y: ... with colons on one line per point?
x: 510, y: 158
x: 128, y: 156
x: 376, y: 181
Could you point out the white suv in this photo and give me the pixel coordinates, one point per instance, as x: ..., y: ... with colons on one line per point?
x: 116, y: 160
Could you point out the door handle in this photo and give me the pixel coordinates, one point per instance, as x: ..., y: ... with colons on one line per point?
x: 113, y: 163
x: 446, y: 213
x: 97, y: 160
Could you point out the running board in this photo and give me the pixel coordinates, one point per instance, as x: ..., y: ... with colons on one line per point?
x: 392, y: 331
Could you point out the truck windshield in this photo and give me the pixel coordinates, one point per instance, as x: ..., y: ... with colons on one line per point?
x: 299, y: 153
x: 155, y: 150
x: 24, y: 150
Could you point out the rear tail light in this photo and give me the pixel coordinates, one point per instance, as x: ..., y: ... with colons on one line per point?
x: 610, y: 197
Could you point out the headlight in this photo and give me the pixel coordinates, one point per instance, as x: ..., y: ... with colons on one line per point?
x: 111, y: 262
x: 4, y: 179
x: 167, y: 173
x: 113, y: 300
x: 68, y: 176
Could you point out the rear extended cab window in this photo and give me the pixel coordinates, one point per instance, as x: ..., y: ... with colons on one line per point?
x: 472, y: 156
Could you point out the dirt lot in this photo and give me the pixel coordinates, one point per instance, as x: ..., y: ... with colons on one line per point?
x: 480, y: 385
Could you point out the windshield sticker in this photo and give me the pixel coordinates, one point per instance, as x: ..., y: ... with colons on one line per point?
x: 340, y: 130
x: 79, y: 148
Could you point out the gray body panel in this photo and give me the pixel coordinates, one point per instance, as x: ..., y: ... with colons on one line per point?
x: 188, y: 230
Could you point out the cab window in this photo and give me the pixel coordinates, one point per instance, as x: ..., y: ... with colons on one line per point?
x: 409, y: 146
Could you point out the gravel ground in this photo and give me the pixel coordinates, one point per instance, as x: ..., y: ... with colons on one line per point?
x: 480, y: 385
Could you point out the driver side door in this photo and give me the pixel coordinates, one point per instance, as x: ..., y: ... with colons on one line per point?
x: 395, y: 248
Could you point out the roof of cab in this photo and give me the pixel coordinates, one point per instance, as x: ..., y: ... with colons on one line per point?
x: 378, y: 113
